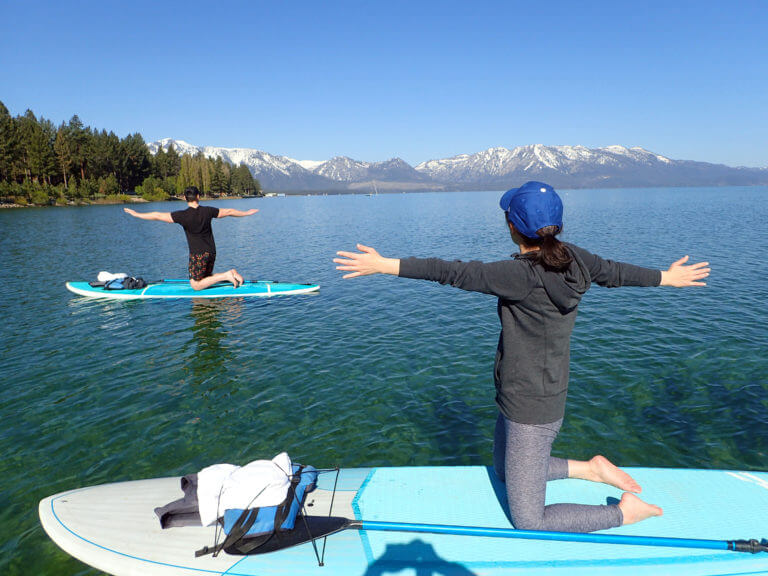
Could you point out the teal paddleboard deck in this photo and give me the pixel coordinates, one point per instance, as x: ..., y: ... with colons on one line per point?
x: 182, y: 289
x: 113, y: 527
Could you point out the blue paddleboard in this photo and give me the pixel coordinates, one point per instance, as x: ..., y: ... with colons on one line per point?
x: 182, y: 289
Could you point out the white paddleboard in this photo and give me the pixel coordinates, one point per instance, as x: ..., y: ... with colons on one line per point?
x: 114, y: 528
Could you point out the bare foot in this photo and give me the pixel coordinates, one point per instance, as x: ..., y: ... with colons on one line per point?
x: 608, y: 473
x: 635, y: 510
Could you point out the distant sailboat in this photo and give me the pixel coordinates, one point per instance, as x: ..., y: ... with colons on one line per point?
x: 375, y: 190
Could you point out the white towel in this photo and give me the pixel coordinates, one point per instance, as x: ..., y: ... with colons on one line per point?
x: 105, y: 276
x: 225, y: 487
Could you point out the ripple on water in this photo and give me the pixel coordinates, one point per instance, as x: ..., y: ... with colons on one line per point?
x: 372, y: 371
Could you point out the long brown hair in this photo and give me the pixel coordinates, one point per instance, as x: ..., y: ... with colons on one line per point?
x: 552, y: 254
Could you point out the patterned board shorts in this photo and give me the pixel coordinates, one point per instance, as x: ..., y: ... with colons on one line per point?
x: 201, y: 265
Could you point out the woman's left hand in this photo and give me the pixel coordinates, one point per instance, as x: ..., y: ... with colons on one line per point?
x: 367, y: 261
x: 681, y: 276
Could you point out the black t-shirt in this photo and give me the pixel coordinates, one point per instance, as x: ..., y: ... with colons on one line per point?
x: 197, y: 225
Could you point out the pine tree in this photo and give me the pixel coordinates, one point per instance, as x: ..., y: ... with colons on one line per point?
x: 160, y: 163
x: 173, y: 161
x: 202, y: 172
x: 79, y: 138
x: 239, y: 181
x: 47, y: 154
x: 243, y: 182
x: 26, y: 127
x: 7, y: 144
x: 63, y: 154
x: 38, y: 153
x: 185, y: 177
x: 218, y: 184
x: 99, y: 159
x: 135, y: 164
x: 111, y: 149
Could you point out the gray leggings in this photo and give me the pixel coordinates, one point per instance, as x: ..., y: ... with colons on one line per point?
x: 521, y: 459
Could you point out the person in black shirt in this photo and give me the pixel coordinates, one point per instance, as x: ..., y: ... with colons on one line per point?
x: 196, y: 221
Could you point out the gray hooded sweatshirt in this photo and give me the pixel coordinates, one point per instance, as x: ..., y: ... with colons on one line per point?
x: 537, y: 309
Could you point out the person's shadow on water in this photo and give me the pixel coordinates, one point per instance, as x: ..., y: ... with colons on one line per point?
x: 418, y: 555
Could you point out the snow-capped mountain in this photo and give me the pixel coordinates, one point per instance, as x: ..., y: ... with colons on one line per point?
x: 283, y: 173
x: 492, y: 169
x: 581, y: 167
x: 344, y: 169
x: 569, y: 165
x: 534, y: 158
x: 274, y: 172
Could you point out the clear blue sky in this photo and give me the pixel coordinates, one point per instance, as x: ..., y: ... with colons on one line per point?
x: 419, y: 80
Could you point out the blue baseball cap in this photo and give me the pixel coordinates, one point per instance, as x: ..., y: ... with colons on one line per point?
x: 533, y: 206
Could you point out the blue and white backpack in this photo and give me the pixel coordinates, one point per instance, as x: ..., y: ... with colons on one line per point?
x: 247, y: 530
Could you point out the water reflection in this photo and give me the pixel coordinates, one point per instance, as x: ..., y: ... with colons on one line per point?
x: 209, y: 334
x: 210, y: 359
x: 149, y: 388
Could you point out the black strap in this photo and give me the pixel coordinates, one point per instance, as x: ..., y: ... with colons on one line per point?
x: 239, y: 529
x: 285, y: 507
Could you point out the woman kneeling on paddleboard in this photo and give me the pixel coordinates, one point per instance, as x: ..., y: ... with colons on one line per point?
x: 538, y: 295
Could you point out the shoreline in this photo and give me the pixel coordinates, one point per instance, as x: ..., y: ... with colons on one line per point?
x: 105, y: 202
x: 140, y: 200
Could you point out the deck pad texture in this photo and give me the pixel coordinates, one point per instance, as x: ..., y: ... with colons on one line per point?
x: 699, y: 504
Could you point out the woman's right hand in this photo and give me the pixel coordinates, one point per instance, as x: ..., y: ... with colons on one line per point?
x: 681, y: 276
x: 367, y: 261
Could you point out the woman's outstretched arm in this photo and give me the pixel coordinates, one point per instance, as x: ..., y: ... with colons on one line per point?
x: 612, y: 274
x: 509, y: 279
x: 367, y: 261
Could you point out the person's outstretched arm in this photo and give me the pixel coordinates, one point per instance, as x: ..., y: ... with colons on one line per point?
x: 159, y: 216
x: 224, y: 212
x: 367, y: 261
x: 505, y: 279
x: 612, y: 274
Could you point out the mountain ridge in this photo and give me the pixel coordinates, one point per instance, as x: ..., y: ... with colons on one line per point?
x: 495, y: 168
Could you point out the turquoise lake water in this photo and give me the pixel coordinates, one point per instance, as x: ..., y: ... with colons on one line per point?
x: 369, y: 371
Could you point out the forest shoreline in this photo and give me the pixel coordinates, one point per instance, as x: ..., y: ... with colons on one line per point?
x: 130, y: 199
